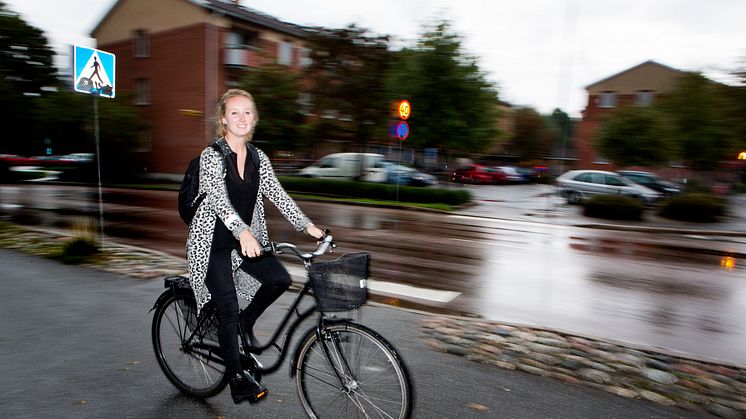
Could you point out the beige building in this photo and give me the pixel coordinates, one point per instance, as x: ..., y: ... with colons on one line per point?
x: 640, y: 85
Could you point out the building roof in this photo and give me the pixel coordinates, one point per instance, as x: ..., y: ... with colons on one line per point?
x: 631, y: 69
x: 233, y: 9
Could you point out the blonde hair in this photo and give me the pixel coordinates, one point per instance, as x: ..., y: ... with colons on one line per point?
x: 219, y: 126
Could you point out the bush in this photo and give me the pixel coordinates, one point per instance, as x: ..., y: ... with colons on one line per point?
x: 613, y: 207
x: 77, y: 249
x: 695, y: 207
x: 377, y: 191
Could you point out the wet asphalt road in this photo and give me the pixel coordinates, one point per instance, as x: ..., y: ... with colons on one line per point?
x: 664, y: 290
x: 76, y: 344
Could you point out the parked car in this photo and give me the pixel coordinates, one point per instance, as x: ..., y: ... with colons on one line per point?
x: 511, y: 175
x: 391, y: 172
x: 475, y: 173
x: 342, y: 166
x: 652, y: 181
x: 577, y: 185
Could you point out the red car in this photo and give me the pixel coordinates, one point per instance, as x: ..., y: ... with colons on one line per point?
x: 475, y: 173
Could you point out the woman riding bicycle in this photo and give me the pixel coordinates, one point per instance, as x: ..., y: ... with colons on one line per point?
x: 224, y: 248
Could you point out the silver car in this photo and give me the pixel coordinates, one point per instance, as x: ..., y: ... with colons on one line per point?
x: 577, y: 185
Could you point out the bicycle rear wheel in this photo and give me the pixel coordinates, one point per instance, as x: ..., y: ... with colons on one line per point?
x: 352, y: 372
x: 189, y: 359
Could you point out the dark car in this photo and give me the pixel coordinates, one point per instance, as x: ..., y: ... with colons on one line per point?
x: 652, y: 181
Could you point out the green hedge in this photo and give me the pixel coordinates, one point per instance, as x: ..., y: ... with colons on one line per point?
x: 696, y: 207
x: 613, y: 207
x: 377, y: 191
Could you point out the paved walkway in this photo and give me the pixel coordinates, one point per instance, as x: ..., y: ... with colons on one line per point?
x: 632, y: 372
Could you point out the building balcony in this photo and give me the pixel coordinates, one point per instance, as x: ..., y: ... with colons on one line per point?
x: 240, y: 56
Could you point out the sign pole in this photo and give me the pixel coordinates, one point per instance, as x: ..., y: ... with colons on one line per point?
x: 98, y: 168
x: 94, y: 73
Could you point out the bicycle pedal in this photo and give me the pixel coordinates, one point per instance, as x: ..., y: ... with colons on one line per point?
x: 259, y: 397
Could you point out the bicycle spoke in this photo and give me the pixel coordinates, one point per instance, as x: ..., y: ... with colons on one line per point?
x: 373, y: 382
x: 183, y: 354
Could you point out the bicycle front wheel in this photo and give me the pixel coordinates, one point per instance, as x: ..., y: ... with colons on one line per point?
x: 352, y: 372
x: 185, y: 346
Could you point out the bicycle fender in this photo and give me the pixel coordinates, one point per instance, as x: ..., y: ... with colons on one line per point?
x: 165, y: 294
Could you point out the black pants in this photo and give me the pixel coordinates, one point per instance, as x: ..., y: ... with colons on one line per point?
x: 268, y: 270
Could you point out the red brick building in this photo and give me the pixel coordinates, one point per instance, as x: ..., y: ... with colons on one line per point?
x: 640, y: 85
x: 176, y: 57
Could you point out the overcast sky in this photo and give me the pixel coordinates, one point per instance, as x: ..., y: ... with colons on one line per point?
x: 539, y: 53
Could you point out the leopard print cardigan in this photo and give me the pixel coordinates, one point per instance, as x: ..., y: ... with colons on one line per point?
x: 217, y: 204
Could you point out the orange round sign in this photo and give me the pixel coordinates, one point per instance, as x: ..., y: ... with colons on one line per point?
x: 405, y: 109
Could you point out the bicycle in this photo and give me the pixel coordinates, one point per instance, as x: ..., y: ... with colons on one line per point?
x: 341, y: 368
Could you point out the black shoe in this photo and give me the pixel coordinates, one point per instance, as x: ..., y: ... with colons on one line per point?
x: 244, y: 387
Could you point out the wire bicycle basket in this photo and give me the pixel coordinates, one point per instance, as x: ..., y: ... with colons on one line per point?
x: 340, y: 284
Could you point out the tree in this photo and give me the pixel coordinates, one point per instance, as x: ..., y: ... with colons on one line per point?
x: 276, y: 92
x: 565, y: 127
x: 347, y: 82
x: 533, y: 136
x: 25, y: 67
x: 636, y: 136
x: 120, y: 125
x: 698, y: 110
x: 454, y: 107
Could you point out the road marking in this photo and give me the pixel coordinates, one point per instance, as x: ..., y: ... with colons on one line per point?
x: 392, y: 289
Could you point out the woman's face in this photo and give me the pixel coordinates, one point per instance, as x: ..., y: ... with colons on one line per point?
x: 239, y: 116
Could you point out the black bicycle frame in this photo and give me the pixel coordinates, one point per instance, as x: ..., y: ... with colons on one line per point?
x: 301, y: 316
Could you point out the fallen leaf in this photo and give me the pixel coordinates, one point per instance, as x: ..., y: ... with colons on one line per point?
x: 478, y: 407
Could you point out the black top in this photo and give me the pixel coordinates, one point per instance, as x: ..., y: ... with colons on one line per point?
x: 242, y: 193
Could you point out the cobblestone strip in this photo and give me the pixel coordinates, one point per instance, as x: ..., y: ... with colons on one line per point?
x: 674, y: 381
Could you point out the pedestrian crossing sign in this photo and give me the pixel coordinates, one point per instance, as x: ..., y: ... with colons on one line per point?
x: 94, y: 71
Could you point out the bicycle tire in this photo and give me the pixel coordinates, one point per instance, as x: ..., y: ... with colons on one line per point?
x: 198, y: 374
x: 376, y: 381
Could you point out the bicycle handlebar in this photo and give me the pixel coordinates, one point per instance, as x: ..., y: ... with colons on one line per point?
x: 326, y: 243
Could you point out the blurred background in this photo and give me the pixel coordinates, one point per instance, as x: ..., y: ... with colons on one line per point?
x: 540, y: 91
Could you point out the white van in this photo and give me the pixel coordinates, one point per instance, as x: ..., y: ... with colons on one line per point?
x: 343, y: 166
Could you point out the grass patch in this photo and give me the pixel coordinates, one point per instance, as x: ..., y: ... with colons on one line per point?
x: 613, y: 207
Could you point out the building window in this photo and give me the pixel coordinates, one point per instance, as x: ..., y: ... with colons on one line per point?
x: 644, y: 98
x: 601, y: 160
x: 305, y: 57
x: 285, y: 53
x: 305, y: 103
x: 142, y: 43
x: 608, y: 100
x: 142, y: 92
x: 241, y: 39
x: 144, y: 141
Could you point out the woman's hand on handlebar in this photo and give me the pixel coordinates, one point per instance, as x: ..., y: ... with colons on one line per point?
x: 250, y: 247
x: 315, y: 232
